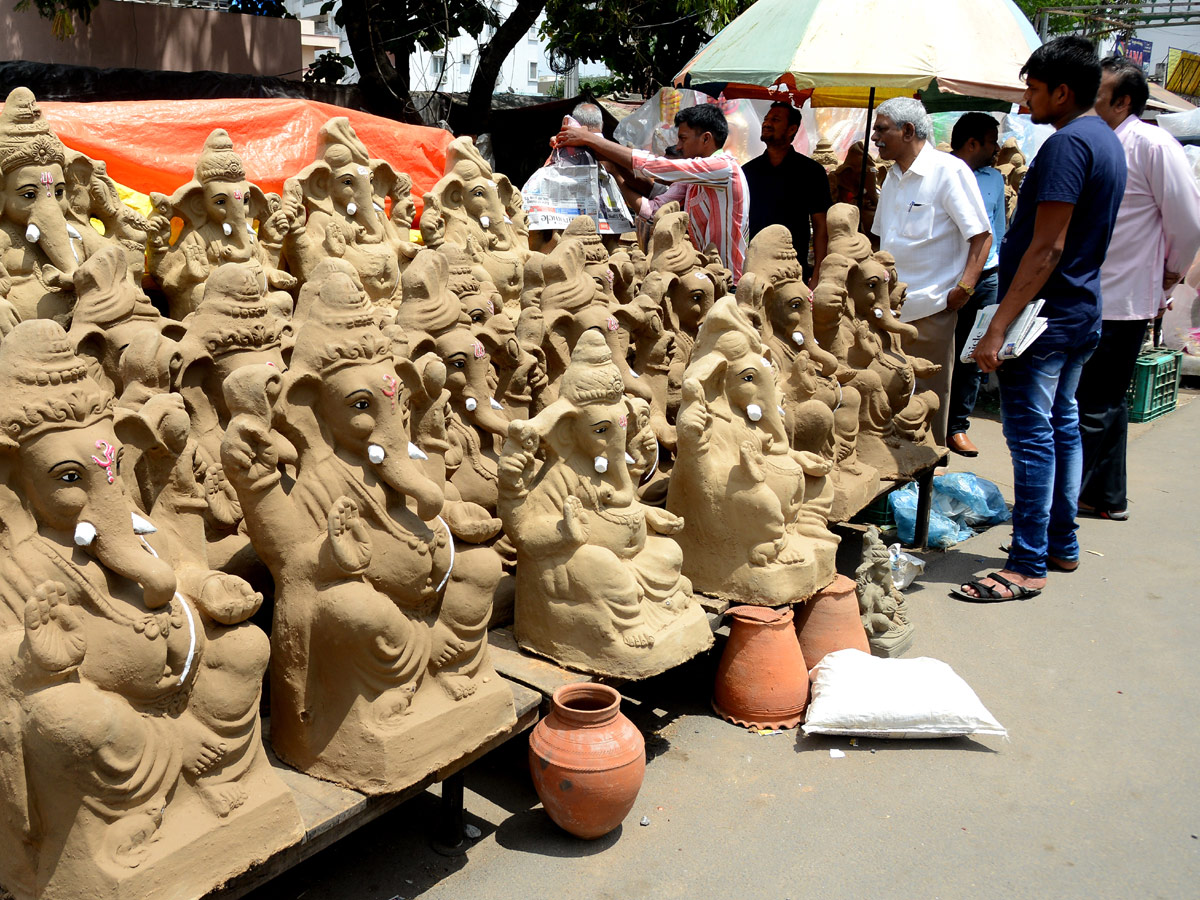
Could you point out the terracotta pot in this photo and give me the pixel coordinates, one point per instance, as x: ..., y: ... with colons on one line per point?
x: 831, y: 621
x: 762, y: 681
x: 587, y: 760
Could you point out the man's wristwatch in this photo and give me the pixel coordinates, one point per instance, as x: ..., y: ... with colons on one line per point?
x: 968, y: 288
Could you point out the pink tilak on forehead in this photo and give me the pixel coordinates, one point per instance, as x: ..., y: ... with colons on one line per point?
x: 612, y: 324
x: 237, y: 195
x: 109, y: 459
x: 622, y: 420
x: 48, y: 180
x: 479, y: 351
x: 389, y: 388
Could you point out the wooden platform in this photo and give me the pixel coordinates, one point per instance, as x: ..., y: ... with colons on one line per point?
x: 331, y: 812
x: 546, y: 677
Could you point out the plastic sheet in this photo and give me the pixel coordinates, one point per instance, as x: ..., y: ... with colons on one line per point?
x: 652, y: 125
x: 152, y: 145
x: 905, y: 567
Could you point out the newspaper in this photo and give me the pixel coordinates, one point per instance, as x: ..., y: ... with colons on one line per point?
x: 571, y: 184
x: 1024, y: 330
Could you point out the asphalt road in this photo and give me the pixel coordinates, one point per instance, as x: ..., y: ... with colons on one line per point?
x: 1094, y: 794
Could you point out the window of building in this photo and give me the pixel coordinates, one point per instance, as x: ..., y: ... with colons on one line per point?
x: 435, y: 64
x: 533, y: 71
x: 533, y: 33
x: 465, y: 64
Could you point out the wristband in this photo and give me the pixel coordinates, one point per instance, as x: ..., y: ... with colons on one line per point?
x: 966, y: 287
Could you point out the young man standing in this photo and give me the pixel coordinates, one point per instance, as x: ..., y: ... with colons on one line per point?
x: 1158, y: 224
x: 975, y: 140
x: 705, y: 179
x: 787, y: 188
x: 1053, y: 250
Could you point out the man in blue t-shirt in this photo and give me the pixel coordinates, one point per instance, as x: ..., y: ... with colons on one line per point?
x: 1053, y: 250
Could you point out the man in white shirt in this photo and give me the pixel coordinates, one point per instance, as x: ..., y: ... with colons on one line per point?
x: 1155, y: 237
x: 931, y: 218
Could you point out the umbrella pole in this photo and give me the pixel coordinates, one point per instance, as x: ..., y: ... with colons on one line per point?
x: 862, y: 182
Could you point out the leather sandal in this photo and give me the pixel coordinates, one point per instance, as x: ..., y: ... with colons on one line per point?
x: 985, y: 593
x: 962, y: 445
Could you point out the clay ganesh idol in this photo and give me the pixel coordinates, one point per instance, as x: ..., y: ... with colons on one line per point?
x: 894, y: 435
x: 130, y: 745
x: 739, y: 486
x: 218, y: 207
x: 39, y: 244
x: 380, y: 672
x: 599, y: 586
x: 821, y: 407
x: 336, y: 206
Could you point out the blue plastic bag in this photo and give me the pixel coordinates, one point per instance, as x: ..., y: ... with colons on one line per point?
x: 980, y: 500
x: 943, y: 531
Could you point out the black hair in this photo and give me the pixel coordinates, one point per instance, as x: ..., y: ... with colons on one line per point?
x: 705, y: 117
x: 1130, y: 82
x: 1069, y: 60
x: 793, y: 114
x: 976, y: 125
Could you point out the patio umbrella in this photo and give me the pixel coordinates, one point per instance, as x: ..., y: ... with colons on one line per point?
x: 841, y: 49
x: 842, y: 52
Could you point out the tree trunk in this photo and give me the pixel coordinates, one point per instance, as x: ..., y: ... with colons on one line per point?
x: 491, y: 59
x: 385, y: 86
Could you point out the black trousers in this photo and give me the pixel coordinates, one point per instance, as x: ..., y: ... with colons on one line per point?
x: 1104, y: 413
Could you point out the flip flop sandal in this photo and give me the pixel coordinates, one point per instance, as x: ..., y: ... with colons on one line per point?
x: 988, y: 594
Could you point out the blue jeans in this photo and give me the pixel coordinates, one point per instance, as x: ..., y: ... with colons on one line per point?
x: 1041, y: 426
x: 964, y: 384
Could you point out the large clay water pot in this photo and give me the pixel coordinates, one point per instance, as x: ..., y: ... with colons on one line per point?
x: 587, y: 760
x: 762, y: 681
x: 830, y: 621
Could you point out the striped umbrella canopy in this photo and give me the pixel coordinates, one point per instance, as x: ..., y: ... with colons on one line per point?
x: 836, y: 51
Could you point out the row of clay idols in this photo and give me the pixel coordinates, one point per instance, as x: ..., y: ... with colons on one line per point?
x: 345, y: 204
x: 371, y: 457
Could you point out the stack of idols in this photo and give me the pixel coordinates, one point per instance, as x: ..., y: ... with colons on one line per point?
x: 408, y: 441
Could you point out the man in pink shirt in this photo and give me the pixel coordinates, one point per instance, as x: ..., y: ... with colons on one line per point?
x: 706, y: 180
x: 1156, y: 235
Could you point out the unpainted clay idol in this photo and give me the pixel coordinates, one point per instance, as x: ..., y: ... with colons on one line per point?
x: 737, y: 482
x: 131, y: 751
x: 337, y: 206
x: 598, y: 576
x: 219, y: 207
x: 380, y: 673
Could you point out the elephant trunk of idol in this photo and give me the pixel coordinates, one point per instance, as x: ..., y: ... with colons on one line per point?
x: 770, y: 420
x: 49, y: 229
x: 400, y: 471
x: 888, y: 322
x: 117, y: 547
x: 481, y: 412
x: 362, y: 210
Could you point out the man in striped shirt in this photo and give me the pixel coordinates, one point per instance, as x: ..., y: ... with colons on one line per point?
x: 706, y: 180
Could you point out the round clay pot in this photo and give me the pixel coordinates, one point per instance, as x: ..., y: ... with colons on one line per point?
x: 762, y: 681
x: 831, y: 621
x: 587, y: 760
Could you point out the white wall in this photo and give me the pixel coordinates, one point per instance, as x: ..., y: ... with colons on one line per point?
x: 515, y: 74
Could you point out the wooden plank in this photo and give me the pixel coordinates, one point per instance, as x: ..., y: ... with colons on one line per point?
x: 516, y: 665
x: 330, y: 812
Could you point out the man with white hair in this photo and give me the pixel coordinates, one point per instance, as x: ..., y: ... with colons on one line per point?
x: 931, y: 218
x: 588, y: 116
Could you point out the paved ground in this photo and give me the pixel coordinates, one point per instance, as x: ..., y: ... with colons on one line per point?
x: 1094, y: 795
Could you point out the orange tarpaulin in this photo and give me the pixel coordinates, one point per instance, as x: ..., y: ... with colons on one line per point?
x: 152, y: 145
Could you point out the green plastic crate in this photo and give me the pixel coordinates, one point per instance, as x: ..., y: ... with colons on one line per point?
x: 878, y: 512
x: 1155, y: 386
